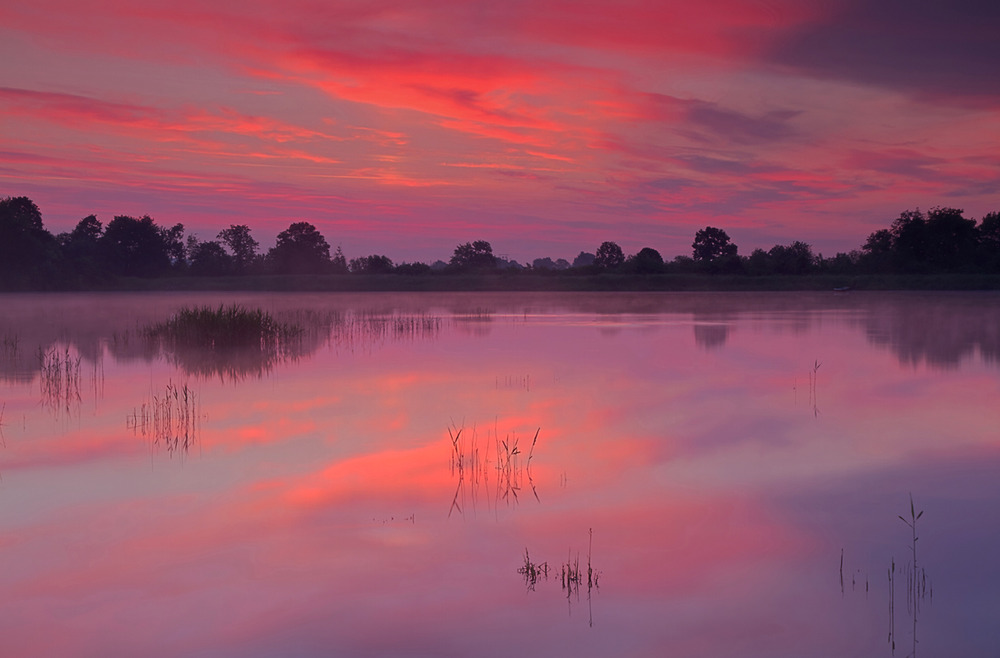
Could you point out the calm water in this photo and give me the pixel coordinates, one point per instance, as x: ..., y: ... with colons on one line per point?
x: 732, y: 467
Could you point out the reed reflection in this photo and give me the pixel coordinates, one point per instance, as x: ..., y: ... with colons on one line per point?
x: 470, y: 463
x: 169, y: 420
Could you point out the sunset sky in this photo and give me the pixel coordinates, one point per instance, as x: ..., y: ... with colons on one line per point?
x: 405, y: 127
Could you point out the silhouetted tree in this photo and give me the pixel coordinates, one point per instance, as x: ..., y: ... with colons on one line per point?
x: 242, y: 245
x: 81, y: 248
x: 951, y: 240
x: 583, y: 259
x: 371, y: 265
x: 682, y: 265
x: 173, y: 243
x: 909, y: 242
x: 476, y: 255
x: 609, y: 255
x: 543, y: 264
x: 647, y: 261
x: 413, y: 269
x: 759, y: 263
x: 300, y: 249
x: 989, y: 242
x: 29, y: 254
x: 210, y: 259
x: 338, y: 262
x: 842, y: 263
x: 796, y: 258
x: 134, y: 247
x: 505, y: 264
x: 877, y: 251
x: 711, y: 243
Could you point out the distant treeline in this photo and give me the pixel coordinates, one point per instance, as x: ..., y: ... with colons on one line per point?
x: 940, y: 241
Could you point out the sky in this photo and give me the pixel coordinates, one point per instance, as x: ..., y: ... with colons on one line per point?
x: 406, y: 127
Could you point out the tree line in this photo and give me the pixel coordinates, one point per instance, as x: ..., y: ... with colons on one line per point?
x: 941, y: 240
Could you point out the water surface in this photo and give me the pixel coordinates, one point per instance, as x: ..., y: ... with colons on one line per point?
x: 732, y: 467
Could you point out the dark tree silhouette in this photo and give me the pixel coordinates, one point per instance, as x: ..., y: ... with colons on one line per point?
x: 338, y: 262
x: 647, y: 261
x: 210, y: 259
x: 300, y: 249
x: 951, y: 240
x: 241, y: 244
x: 989, y: 242
x: 909, y: 242
x: 476, y: 255
x: 583, y: 259
x: 412, y: 269
x: 81, y: 248
x: 88, y: 230
x: 609, y: 255
x: 796, y: 258
x: 371, y: 265
x: 29, y: 254
x: 173, y: 241
x: 134, y: 247
x: 711, y: 243
x: 877, y: 251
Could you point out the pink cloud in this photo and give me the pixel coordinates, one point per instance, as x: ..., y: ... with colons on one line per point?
x: 638, y: 121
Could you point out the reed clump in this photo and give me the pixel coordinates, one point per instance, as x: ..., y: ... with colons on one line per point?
x: 170, y: 420
x: 225, y: 326
x: 533, y: 571
x: 59, y: 378
x: 471, y: 462
x: 228, y: 341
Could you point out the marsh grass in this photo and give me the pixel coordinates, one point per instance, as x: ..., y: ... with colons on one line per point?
x: 571, y: 575
x: 917, y: 588
x: 367, y: 330
x: 813, y: 379
x: 229, y: 341
x: 226, y: 327
x: 501, y: 478
x: 533, y: 571
x: 59, y: 379
x: 10, y: 352
x: 169, y: 420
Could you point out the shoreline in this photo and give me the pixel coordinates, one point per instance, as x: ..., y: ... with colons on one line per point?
x: 604, y: 282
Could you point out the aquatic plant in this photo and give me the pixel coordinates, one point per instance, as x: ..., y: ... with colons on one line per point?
x: 170, y: 420
x: 472, y: 466
x: 59, y: 379
x: 10, y: 350
x: 225, y: 326
x: 533, y: 571
x: 918, y: 586
x: 813, y: 379
x: 572, y: 576
x: 916, y: 577
x: 228, y: 341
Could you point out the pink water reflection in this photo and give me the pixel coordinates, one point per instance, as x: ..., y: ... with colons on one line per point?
x: 314, y: 513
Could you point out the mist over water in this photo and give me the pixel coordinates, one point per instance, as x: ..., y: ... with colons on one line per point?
x: 724, y: 474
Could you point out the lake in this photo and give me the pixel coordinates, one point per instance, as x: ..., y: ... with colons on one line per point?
x: 504, y: 474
